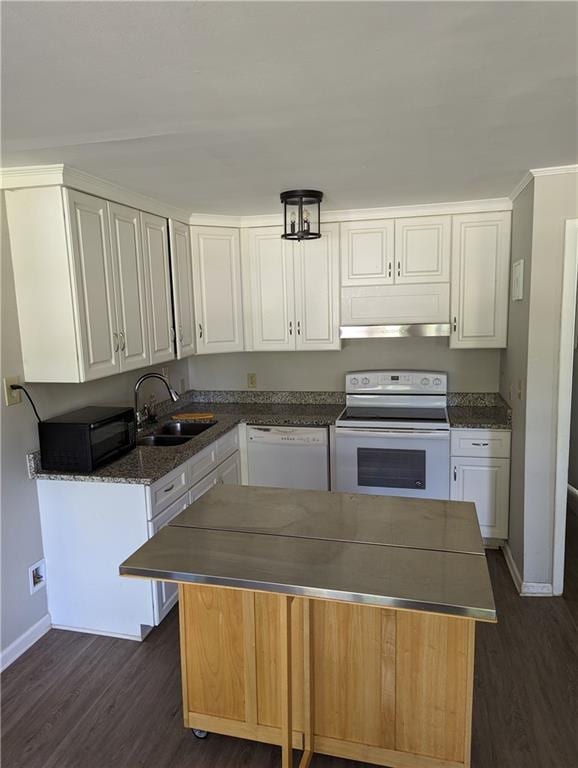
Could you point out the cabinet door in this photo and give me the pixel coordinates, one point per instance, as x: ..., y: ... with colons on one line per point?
x: 317, y: 291
x: 182, y: 276
x: 486, y: 482
x: 422, y: 249
x: 155, y: 249
x: 229, y: 472
x: 270, y: 264
x: 217, y: 281
x: 129, y: 284
x: 165, y: 593
x: 94, y: 283
x: 367, y: 252
x: 480, y: 279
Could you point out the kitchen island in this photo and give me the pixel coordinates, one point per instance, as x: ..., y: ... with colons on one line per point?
x: 332, y: 623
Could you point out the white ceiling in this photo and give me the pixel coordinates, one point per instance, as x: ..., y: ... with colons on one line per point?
x: 216, y: 107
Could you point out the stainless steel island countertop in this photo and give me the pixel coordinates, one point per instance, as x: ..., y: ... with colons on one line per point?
x: 383, y: 551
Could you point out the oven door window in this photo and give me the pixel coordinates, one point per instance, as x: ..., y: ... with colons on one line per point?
x: 390, y: 468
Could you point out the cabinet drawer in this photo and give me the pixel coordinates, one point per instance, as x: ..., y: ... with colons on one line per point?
x: 480, y: 442
x: 201, y: 464
x: 227, y: 445
x: 166, y: 490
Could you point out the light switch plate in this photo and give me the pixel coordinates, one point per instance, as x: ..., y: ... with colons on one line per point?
x: 12, y: 396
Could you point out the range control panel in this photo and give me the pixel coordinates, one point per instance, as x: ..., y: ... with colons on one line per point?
x: 410, y: 382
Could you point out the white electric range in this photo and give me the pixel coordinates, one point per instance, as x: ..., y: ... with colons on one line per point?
x: 393, y: 438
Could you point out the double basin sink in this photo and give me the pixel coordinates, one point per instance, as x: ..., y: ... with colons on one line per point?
x: 175, y: 433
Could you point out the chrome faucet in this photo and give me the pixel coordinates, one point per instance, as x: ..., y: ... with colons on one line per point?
x: 141, y: 416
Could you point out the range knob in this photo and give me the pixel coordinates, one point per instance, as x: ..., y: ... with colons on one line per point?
x: 365, y: 380
x: 425, y: 382
x: 355, y: 381
x: 437, y: 382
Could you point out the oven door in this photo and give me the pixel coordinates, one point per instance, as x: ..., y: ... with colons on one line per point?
x: 393, y: 462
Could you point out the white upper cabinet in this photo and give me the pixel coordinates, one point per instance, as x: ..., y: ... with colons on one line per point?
x: 422, y: 249
x: 182, y: 279
x: 94, y: 284
x: 217, y: 284
x: 367, y: 252
x: 292, y: 290
x: 317, y: 291
x: 480, y: 280
x: 268, y: 268
x: 156, y: 256
x: 129, y: 287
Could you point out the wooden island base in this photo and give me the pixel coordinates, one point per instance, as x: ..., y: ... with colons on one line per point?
x: 381, y: 685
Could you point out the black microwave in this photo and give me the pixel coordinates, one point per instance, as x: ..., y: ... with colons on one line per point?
x: 83, y: 440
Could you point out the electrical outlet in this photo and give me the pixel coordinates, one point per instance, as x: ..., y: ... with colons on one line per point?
x: 183, y: 385
x: 252, y: 380
x: 519, y: 389
x: 37, y: 576
x: 12, y: 396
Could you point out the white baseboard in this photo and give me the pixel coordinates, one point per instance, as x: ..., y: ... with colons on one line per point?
x: 24, y: 642
x: 525, y: 588
x: 104, y: 633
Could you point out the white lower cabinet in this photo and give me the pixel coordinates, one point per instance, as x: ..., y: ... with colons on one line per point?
x: 90, y: 528
x: 482, y: 475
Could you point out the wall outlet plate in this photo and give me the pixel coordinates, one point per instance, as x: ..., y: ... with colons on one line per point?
x: 12, y: 396
x: 37, y: 576
x: 518, y: 280
x: 252, y: 380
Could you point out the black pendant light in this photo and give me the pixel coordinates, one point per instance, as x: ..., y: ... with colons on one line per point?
x: 301, y: 214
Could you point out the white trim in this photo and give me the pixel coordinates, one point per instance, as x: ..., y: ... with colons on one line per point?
x: 564, y: 409
x: 214, y: 220
x: 103, y: 633
x: 521, y: 185
x: 554, y: 170
x: 531, y: 174
x: 525, y: 588
x: 65, y: 175
x: 24, y: 642
x: 512, y: 567
x: 391, y: 212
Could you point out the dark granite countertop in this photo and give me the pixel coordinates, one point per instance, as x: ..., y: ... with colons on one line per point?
x: 147, y: 464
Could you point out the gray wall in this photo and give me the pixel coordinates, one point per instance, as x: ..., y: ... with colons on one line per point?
x: 21, y: 541
x: 469, y: 370
x: 514, y: 365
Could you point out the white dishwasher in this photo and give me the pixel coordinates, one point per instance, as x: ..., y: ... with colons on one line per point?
x: 288, y: 457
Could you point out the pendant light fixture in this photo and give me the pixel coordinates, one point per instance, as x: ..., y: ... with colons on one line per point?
x: 301, y: 214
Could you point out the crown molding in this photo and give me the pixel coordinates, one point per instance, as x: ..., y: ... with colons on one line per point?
x: 65, y: 175
x: 532, y: 173
x: 391, y: 212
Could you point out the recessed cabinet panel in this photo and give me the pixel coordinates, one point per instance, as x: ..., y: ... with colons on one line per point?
x: 272, y: 295
x: 89, y: 227
x: 422, y: 249
x: 182, y: 275
x: 155, y: 249
x: 486, y: 482
x: 130, y: 289
x: 367, y: 252
x: 395, y: 304
x: 317, y: 291
x: 480, y: 280
x: 217, y: 281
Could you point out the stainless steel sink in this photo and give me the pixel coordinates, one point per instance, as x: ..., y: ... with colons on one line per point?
x: 181, y: 428
x: 163, y: 440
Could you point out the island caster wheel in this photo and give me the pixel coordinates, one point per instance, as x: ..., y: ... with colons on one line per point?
x: 199, y: 734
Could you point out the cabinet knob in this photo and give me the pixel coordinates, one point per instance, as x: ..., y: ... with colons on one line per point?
x: 115, y: 341
x: 455, y: 324
x: 298, y: 327
x: 290, y: 327
x: 455, y: 474
x: 200, y: 331
x: 122, y: 341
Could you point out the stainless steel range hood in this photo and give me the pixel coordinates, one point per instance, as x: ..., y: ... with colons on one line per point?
x: 393, y: 331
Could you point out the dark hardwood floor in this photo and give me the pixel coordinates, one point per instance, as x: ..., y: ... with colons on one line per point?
x: 81, y: 701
